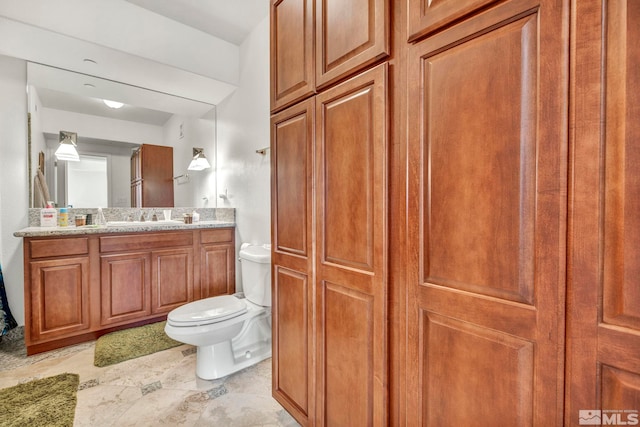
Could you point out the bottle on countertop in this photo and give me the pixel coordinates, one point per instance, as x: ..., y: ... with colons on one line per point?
x: 63, y: 219
x: 49, y: 216
x: 100, y: 220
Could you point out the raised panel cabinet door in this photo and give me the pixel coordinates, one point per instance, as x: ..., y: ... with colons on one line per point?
x: 156, y: 173
x: 171, y: 279
x: 350, y: 35
x: 428, y: 16
x: 59, y: 293
x: 603, y: 361
x: 292, y: 52
x: 487, y: 219
x: 125, y: 287
x: 351, y: 253
x: 292, y: 145
x: 217, y: 273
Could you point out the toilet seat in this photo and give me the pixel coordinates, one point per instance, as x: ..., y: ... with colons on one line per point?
x: 207, y: 311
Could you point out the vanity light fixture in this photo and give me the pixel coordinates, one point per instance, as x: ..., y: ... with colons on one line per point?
x: 112, y: 104
x: 67, y: 148
x: 199, y: 161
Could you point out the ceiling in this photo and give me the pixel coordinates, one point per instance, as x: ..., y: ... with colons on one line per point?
x: 187, y: 48
x: 229, y: 20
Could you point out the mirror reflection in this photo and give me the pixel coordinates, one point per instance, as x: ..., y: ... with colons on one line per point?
x: 107, y: 138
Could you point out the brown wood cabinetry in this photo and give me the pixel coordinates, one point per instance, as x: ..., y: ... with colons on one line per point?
x: 217, y: 263
x: 315, y: 43
x: 505, y: 259
x: 330, y: 257
x: 124, y: 287
x: 292, y: 154
x: 172, y: 279
x: 79, y: 288
x: 603, y: 313
x: 350, y: 35
x: 152, y: 176
x: 485, y: 171
x: 292, y: 53
x: 351, y: 254
x: 58, y: 288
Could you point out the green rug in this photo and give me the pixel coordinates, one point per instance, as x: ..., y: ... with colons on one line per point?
x: 44, y: 402
x: 128, y: 344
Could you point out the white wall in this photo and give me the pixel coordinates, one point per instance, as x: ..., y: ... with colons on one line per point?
x: 14, y: 188
x: 88, y: 126
x: 244, y: 127
x: 183, y: 134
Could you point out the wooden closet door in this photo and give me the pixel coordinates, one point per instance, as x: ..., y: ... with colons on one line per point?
x: 486, y: 219
x: 292, y: 51
x: 603, y: 361
x: 350, y: 35
x: 351, y: 267
x: 427, y: 16
x: 292, y: 151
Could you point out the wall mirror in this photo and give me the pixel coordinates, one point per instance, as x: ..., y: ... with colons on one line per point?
x: 62, y: 100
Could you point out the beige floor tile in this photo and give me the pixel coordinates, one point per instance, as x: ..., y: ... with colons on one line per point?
x: 165, y: 407
x: 155, y: 390
x: 103, y: 405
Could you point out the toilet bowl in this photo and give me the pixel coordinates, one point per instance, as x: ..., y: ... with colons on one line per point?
x: 230, y: 332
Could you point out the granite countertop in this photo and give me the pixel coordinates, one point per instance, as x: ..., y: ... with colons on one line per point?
x: 120, y: 227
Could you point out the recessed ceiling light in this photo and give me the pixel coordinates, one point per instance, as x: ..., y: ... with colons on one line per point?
x: 90, y: 61
x: 88, y: 85
x: 112, y: 104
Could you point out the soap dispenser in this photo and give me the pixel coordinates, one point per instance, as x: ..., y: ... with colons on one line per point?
x: 100, y: 220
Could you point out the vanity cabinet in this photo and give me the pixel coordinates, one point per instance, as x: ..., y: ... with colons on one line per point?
x: 145, y: 274
x: 78, y: 288
x: 125, y: 285
x: 58, y: 288
x: 172, y: 279
x: 152, y: 176
x: 217, y: 263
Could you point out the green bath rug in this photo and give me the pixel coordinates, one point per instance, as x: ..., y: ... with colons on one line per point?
x: 45, y: 402
x: 128, y: 344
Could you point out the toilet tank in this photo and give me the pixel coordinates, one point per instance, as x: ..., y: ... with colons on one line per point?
x: 255, y: 262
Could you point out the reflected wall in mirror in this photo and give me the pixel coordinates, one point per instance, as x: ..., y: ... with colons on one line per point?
x: 64, y: 100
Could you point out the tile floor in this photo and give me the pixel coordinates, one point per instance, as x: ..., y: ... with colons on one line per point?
x: 158, y: 389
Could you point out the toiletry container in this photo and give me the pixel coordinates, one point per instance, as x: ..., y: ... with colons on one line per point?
x: 63, y: 220
x: 49, y: 216
x: 100, y: 220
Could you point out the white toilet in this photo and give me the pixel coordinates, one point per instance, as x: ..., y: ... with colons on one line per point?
x: 231, y: 333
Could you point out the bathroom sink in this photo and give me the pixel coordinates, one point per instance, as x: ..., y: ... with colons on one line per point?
x: 142, y: 223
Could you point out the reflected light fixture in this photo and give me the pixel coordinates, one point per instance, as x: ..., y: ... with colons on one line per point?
x: 112, y: 104
x: 67, y: 148
x: 199, y: 161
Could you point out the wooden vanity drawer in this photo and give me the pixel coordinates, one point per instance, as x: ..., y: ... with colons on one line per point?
x: 134, y: 242
x: 46, y: 248
x: 219, y: 235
